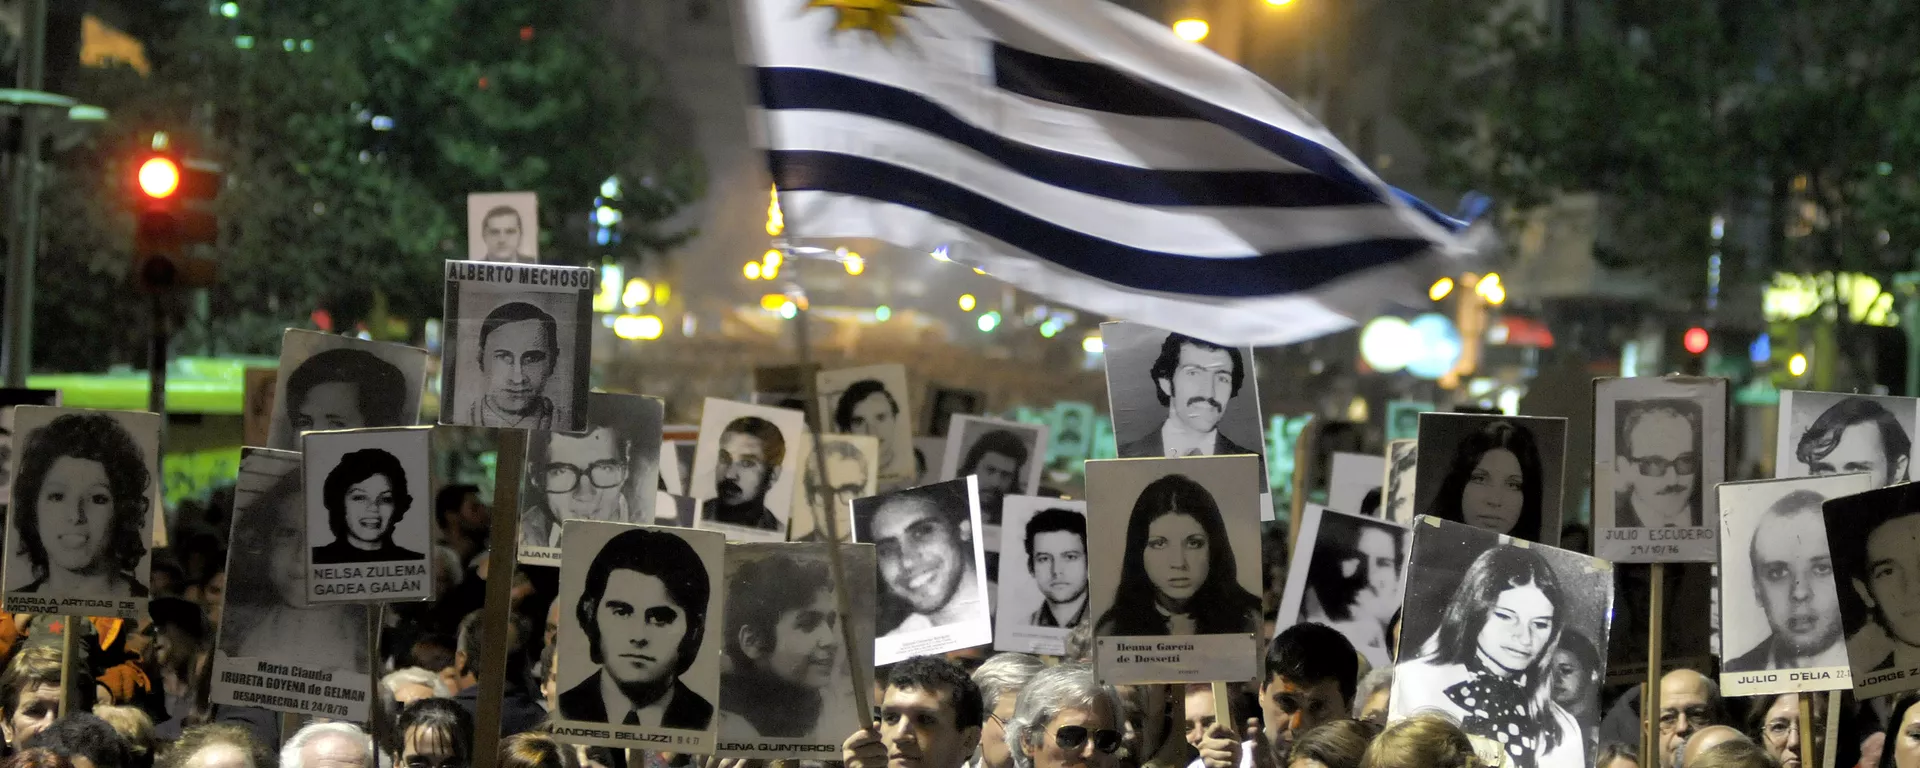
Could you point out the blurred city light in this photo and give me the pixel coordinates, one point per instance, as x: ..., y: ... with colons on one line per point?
x: 1191, y: 30
x: 771, y: 259
x: 940, y: 254
x: 988, y: 322
x: 772, y: 302
x: 1439, y: 346
x: 1761, y: 350
x: 1695, y: 340
x: 1388, y: 344
x: 610, y: 189
x: 605, y: 215
x: 641, y: 327
x: 1093, y: 345
x: 1279, y: 2
x: 1797, y: 365
x: 751, y: 270
x: 769, y: 272
x: 230, y: 10
x: 776, y: 223
x: 854, y: 264
x: 788, y: 311
x: 966, y: 302
x: 882, y: 313
x: 1490, y: 289
x: 637, y: 294
x: 661, y: 293
x: 159, y: 177
x: 1441, y: 288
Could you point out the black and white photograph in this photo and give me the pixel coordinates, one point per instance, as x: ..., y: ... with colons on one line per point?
x: 369, y: 515
x: 329, y: 381
x: 1876, y: 567
x: 271, y: 643
x: 673, y: 468
x: 1780, y: 619
x: 674, y: 510
x: 786, y: 676
x: 1071, y: 439
x: 873, y: 401
x: 1042, y: 590
x: 1827, y: 433
x: 1347, y: 573
x: 931, y: 569
x: 746, y: 469
x: 1007, y: 457
x: 852, y: 463
x: 1175, y: 553
x: 10, y: 399
x: 1497, y: 473
x: 517, y: 346
x: 944, y: 403
x: 1175, y: 395
x: 642, y: 615
x: 85, y: 486
x: 611, y: 473
x: 1397, y: 495
x: 1659, y: 451
x: 1355, y: 476
x: 503, y: 227
x: 1489, y: 622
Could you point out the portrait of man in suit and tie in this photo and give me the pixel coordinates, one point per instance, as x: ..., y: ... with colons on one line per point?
x: 1202, y: 402
x: 643, y: 608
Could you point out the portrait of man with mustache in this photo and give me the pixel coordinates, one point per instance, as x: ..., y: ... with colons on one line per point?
x: 1195, y: 380
x: 1658, y: 464
x: 751, y: 453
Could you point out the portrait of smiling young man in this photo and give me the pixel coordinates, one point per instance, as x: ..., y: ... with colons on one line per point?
x: 928, y: 557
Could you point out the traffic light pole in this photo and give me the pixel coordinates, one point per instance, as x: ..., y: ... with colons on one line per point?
x: 24, y: 202
x: 157, y: 360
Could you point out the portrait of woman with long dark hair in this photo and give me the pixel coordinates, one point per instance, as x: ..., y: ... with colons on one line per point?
x: 1490, y: 661
x: 1495, y: 481
x: 262, y: 617
x: 366, y: 497
x: 1178, y: 575
x: 81, y: 508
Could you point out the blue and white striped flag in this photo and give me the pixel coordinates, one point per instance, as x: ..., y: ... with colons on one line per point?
x: 1084, y: 153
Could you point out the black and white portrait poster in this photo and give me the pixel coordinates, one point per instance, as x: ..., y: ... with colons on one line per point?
x: 1488, y: 622
x: 1175, y: 395
x: 1354, y: 476
x: 1397, y: 495
x: 853, y: 472
x: 85, y: 498
x: 274, y: 652
x: 1042, y: 582
x: 746, y: 469
x: 642, y: 613
x: 1347, y: 574
x: 1497, y: 473
x: 931, y: 569
x: 1659, y: 450
x: 1073, y: 429
x: 944, y: 403
x: 503, y: 227
x: 1780, y: 618
x: 787, y: 677
x: 611, y: 472
x: 1826, y: 433
x: 516, y: 346
x: 10, y: 399
x: 1176, y: 568
x: 1007, y: 456
x: 873, y: 401
x: 328, y: 381
x: 674, y: 471
x: 674, y: 510
x: 1875, y: 540
x: 369, y: 515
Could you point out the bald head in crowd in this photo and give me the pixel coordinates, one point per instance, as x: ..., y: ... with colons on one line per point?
x: 1689, y: 702
x: 328, y: 745
x: 1708, y: 738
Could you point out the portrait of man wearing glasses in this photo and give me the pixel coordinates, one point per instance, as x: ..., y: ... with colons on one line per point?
x: 1657, y: 464
x: 606, y: 474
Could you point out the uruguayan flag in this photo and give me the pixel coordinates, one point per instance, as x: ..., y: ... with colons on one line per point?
x: 1082, y: 152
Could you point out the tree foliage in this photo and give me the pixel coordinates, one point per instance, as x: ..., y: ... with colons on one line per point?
x: 328, y: 207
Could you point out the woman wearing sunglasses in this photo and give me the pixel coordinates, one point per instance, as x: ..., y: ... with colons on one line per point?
x: 1065, y: 719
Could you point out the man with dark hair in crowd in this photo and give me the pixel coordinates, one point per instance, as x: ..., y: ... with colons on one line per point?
x: 1857, y: 435
x: 930, y: 717
x: 344, y: 389
x: 997, y: 460
x: 751, y: 452
x: 83, y: 736
x: 519, y: 710
x: 463, y: 519
x: 644, y: 610
x: 1057, y: 559
x: 1311, y: 673
x: 866, y: 407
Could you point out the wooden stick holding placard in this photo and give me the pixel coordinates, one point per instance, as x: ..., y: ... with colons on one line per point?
x: 377, y: 721
x: 502, y: 541
x: 1806, y: 729
x: 1833, y: 731
x: 1650, y: 700
x: 836, y: 568
x: 1303, y: 454
x: 66, y: 661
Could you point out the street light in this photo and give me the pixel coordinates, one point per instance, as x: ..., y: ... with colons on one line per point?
x: 1441, y: 288
x: 1797, y: 365
x: 966, y: 302
x: 1191, y: 30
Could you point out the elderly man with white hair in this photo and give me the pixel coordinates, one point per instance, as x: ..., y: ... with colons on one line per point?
x: 1065, y: 717
x: 328, y: 745
x: 1000, y: 679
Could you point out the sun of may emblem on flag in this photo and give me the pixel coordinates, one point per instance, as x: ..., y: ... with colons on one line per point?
x: 875, y: 15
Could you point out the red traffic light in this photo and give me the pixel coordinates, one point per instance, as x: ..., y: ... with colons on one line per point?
x: 1695, y: 340
x: 159, y: 177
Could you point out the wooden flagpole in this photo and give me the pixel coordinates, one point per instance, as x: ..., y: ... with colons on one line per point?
x: 502, y: 541
x: 1650, y: 700
x: 863, y: 708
